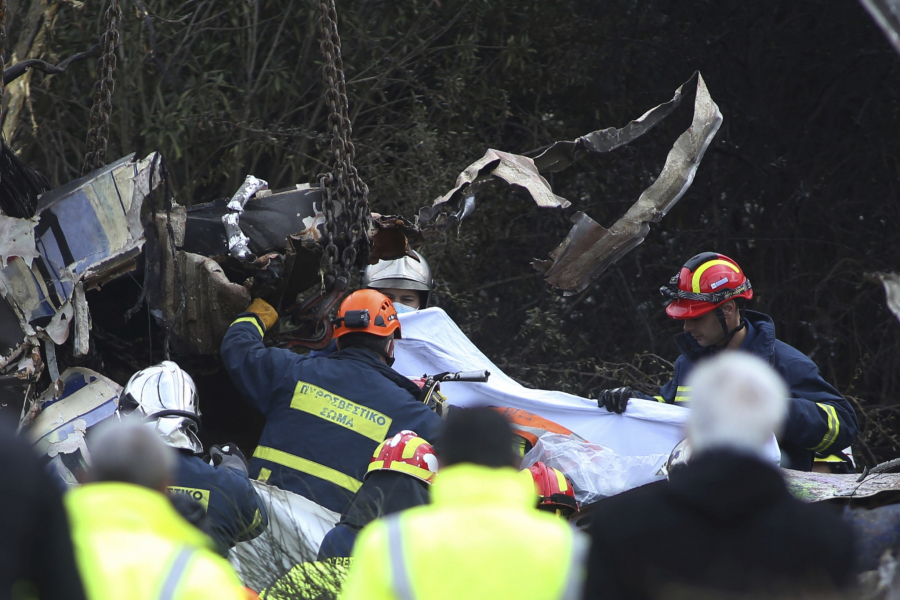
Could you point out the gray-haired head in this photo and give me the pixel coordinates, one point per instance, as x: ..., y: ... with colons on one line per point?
x: 737, y: 402
x: 131, y: 452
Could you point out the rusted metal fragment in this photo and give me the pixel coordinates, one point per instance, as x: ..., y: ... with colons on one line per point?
x: 887, y: 14
x: 391, y: 236
x: 815, y: 487
x: 589, y: 249
x: 17, y: 239
x: 891, y: 283
x: 512, y: 168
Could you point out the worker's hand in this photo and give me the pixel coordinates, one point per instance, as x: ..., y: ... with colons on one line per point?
x: 264, y: 311
x: 615, y: 400
x: 228, y: 456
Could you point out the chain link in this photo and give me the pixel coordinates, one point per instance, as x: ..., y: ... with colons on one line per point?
x: 343, y: 184
x: 3, y: 10
x: 98, y: 134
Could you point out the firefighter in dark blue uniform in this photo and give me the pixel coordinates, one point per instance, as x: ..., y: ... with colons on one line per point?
x: 166, y: 396
x: 705, y: 295
x: 325, y: 415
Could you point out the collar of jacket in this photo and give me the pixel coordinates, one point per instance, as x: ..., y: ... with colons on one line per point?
x: 370, y: 358
x: 760, y: 339
x: 114, y: 506
x: 467, y: 484
x: 726, y: 484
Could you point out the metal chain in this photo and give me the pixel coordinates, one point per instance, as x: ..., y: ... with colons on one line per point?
x: 95, y: 147
x: 343, y: 183
x: 3, y: 10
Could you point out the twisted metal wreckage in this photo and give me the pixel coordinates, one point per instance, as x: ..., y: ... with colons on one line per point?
x: 93, y: 272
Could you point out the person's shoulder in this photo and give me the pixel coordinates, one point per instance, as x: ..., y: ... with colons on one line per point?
x: 208, y: 575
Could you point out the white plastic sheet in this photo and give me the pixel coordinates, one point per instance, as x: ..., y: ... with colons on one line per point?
x: 596, y: 472
x: 432, y: 343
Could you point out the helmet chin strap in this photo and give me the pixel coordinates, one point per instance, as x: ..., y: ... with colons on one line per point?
x: 729, y: 334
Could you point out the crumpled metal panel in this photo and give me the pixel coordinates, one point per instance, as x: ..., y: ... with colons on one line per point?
x: 512, y: 168
x: 84, y: 399
x: 891, y: 283
x: 887, y: 14
x: 589, y: 249
x: 85, y: 231
x: 815, y: 487
x: 17, y: 239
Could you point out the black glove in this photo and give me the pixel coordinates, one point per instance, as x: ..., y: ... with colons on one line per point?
x: 615, y: 400
x: 228, y: 456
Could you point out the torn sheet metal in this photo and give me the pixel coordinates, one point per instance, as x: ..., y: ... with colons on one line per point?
x: 589, y: 249
x: 512, y: 168
x: 17, y: 239
x: 887, y: 14
x: 86, y: 399
x: 238, y: 243
x: 891, y: 283
x: 87, y: 231
x: 815, y: 487
x: 391, y: 235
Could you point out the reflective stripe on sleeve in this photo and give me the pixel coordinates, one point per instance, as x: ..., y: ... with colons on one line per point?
x: 834, y: 427
x: 309, y: 467
x: 251, y: 320
x: 175, y: 572
x: 399, y: 573
x: 683, y: 394
x: 659, y: 398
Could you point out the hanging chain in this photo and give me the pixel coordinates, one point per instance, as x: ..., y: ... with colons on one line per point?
x: 95, y: 147
x: 3, y: 10
x: 343, y: 183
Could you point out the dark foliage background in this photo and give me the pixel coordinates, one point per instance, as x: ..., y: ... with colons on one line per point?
x: 800, y: 185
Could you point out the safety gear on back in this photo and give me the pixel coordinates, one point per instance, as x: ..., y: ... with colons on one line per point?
x: 367, y: 311
x: 554, y: 490
x: 164, y: 393
x: 703, y: 283
x: 405, y: 273
x: 407, y: 453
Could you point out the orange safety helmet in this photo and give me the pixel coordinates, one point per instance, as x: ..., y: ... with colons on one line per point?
x: 367, y: 311
x: 554, y: 490
x: 407, y: 453
x: 704, y: 282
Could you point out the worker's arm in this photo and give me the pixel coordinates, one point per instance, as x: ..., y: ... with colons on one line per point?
x: 819, y: 418
x: 369, y: 576
x: 256, y: 371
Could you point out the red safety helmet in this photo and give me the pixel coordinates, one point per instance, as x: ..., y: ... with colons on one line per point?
x: 554, y: 490
x: 704, y: 282
x: 367, y: 311
x: 407, y: 453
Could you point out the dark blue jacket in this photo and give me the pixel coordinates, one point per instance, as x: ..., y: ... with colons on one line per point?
x: 819, y: 418
x: 324, y: 415
x: 234, y: 509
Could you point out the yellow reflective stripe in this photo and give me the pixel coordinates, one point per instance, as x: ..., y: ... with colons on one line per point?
x: 196, y: 494
x: 251, y: 320
x: 378, y: 450
x: 684, y: 388
x: 410, y: 450
x: 307, y: 466
x: 340, y: 411
x: 257, y: 521
x: 423, y: 474
x: 682, y: 398
x: 264, y: 474
x: 834, y: 427
x: 659, y: 398
x: 695, y: 280
x: 561, y: 481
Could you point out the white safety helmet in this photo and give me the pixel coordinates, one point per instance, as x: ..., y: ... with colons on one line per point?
x: 405, y: 273
x: 166, y: 395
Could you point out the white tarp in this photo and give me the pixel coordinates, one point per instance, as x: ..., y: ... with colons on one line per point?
x: 432, y: 343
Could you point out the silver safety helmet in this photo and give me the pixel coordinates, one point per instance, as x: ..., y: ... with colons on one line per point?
x: 166, y: 395
x: 405, y: 273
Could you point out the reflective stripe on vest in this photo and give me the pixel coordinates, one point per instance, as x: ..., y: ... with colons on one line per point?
x: 307, y: 466
x: 399, y: 575
x: 403, y: 587
x: 175, y: 573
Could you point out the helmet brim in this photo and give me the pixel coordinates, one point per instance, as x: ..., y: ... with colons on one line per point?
x: 688, y: 309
